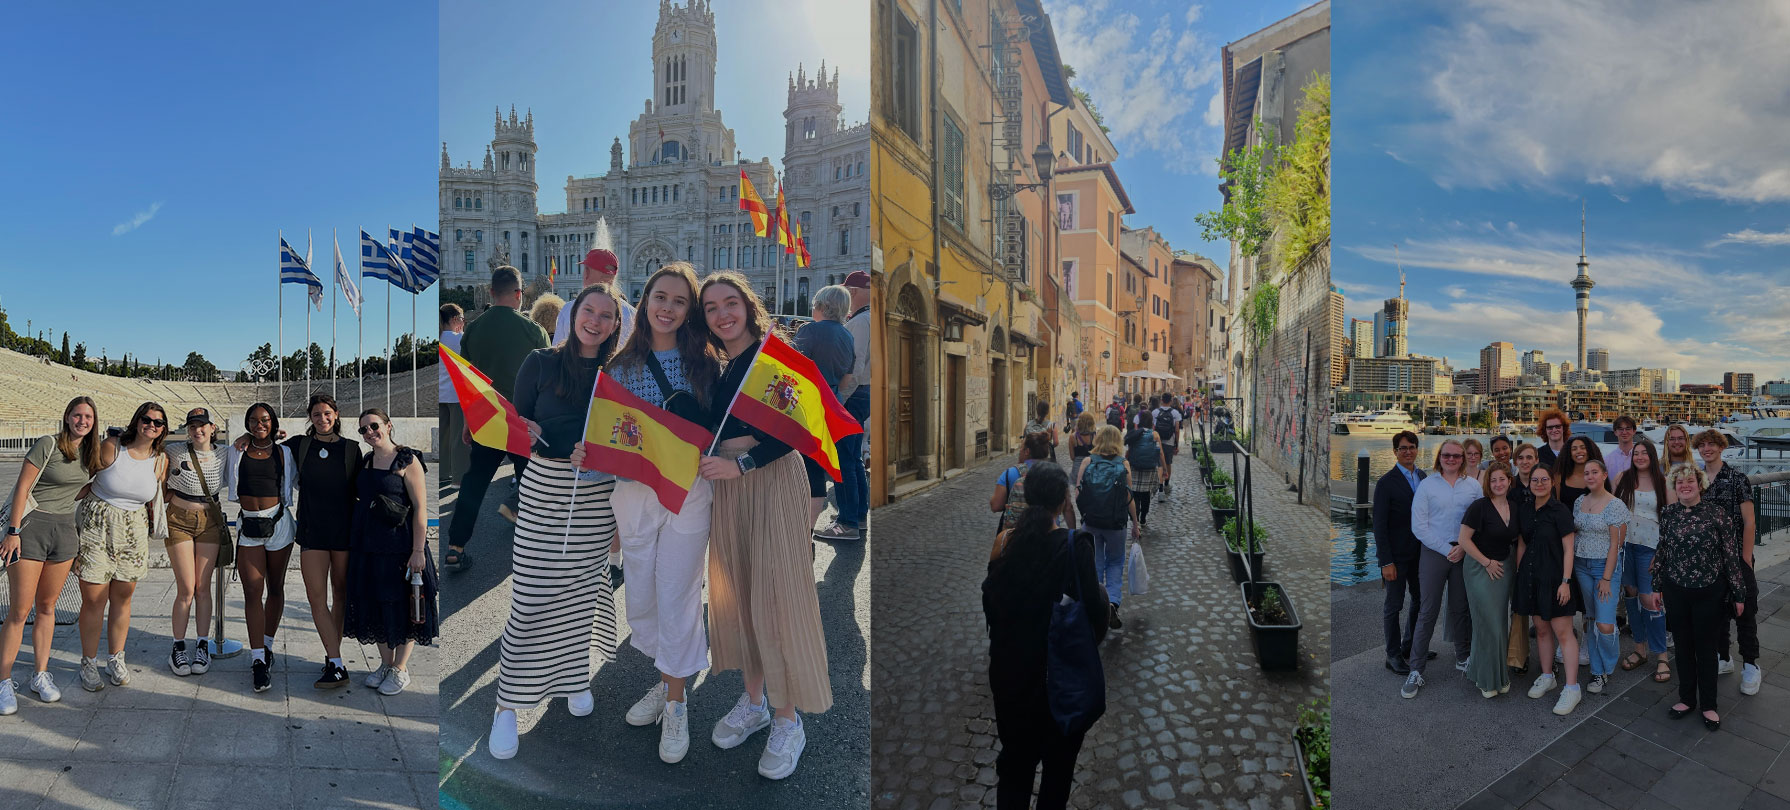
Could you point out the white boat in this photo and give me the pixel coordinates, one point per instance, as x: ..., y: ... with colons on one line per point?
x: 1648, y: 424
x: 1378, y: 423
x: 1507, y: 428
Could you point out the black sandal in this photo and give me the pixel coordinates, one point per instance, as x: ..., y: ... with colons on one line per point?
x: 456, y: 559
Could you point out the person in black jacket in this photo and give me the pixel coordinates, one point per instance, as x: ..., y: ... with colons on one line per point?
x: 1027, y: 575
x: 1397, y: 548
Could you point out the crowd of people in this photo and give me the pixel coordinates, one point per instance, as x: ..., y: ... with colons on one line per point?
x: 88, y: 501
x: 746, y: 524
x: 1558, y: 536
x: 1058, y: 567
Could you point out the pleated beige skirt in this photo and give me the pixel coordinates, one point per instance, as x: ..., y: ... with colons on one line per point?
x: 764, y: 613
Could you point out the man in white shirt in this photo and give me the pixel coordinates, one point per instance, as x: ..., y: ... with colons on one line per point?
x: 600, y: 267
x: 452, y: 419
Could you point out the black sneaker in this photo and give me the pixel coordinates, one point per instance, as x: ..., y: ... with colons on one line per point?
x: 263, y: 678
x: 202, y: 657
x: 1112, y: 617
x: 178, y: 662
x: 333, y: 676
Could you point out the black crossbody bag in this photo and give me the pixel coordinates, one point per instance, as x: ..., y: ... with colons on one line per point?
x: 682, y: 404
x: 262, y: 528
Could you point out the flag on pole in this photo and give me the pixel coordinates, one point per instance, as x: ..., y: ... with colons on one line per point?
x: 552, y: 269
x: 753, y: 204
x: 491, y: 419
x: 783, y: 235
x: 625, y: 435
x: 345, y: 281
x: 377, y: 261
x: 295, y: 269
x: 800, y: 247
x: 785, y: 395
x: 422, y: 251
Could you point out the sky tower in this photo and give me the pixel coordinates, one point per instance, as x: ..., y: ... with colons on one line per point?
x: 1582, y: 285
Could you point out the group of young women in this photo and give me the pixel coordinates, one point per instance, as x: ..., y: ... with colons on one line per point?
x: 89, y: 505
x: 1563, y: 531
x: 748, y: 515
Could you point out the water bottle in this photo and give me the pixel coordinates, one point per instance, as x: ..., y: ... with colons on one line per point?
x: 419, y: 609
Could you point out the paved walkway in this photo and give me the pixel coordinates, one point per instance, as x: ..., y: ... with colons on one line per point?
x: 1191, y: 720
x: 209, y: 742
x: 600, y: 760
x: 1618, y: 749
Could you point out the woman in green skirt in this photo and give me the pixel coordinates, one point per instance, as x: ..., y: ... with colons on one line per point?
x: 1489, y: 536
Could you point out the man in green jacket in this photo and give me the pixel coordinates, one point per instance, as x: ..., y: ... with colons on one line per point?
x: 496, y: 343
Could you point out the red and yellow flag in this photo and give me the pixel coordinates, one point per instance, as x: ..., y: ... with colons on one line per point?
x: 785, y: 395
x: 552, y: 268
x: 491, y: 419
x: 752, y: 204
x: 626, y: 436
x: 800, y: 247
x: 783, y: 236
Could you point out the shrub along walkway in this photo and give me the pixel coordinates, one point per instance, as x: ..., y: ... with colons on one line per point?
x: 1191, y: 720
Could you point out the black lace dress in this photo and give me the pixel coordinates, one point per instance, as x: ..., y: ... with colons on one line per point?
x: 378, y: 590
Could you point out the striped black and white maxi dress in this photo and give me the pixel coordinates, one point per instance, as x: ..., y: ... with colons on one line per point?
x: 561, y: 604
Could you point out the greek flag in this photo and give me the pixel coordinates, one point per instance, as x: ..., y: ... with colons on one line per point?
x: 378, y: 261
x: 420, y: 251
x: 297, y: 270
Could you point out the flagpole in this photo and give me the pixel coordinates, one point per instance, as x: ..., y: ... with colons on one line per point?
x: 360, y: 345
x: 414, y: 339
x: 308, y: 307
x: 389, y: 269
x: 736, y: 395
x: 334, y: 302
x: 589, y: 403
x: 280, y: 340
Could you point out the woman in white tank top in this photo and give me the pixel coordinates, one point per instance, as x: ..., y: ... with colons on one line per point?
x: 113, y: 521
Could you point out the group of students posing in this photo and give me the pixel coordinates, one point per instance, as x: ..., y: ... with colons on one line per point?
x: 88, y: 503
x: 746, y: 522
x: 1541, y: 533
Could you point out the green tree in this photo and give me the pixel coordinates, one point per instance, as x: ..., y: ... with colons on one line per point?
x: 199, y: 368
x: 1298, y: 193
x: 319, y: 364
x: 79, y: 358
x: 1244, y: 216
x: 65, y: 355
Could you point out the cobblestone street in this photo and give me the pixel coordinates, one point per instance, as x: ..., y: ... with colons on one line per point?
x: 1191, y: 720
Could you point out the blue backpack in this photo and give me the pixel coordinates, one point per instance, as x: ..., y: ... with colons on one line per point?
x: 1144, y: 454
x: 1074, y: 682
x: 1103, y: 499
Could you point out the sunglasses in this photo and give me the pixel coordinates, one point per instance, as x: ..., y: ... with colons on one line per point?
x: 154, y: 422
x: 366, y: 429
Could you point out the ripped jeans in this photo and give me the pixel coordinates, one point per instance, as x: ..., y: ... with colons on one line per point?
x: 1603, y: 652
x: 1646, y: 625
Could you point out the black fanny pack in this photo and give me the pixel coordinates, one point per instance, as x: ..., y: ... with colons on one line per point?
x: 262, y: 528
x: 392, y: 510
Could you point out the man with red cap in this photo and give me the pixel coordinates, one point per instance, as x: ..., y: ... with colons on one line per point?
x: 853, y: 490
x: 600, y: 267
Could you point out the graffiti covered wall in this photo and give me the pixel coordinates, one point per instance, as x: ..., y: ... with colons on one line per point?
x: 1292, y: 407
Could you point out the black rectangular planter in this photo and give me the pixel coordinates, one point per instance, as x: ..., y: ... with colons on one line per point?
x: 1224, y: 446
x: 1236, y: 561
x: 1276, y: 646
x: 1311, y: 799
x: 1218, y: 518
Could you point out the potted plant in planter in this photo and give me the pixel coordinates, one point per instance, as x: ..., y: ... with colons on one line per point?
x: 1218, y: 479
x: 1223, y: 506
x: 1235, y: 546
x: 1273, y: 623
x: 1311, y: 742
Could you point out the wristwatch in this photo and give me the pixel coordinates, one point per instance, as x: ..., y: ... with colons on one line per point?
x: 12, y: 531
x: 1566, y: 580
x: 746, y: 464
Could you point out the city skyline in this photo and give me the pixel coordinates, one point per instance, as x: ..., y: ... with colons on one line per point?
x: 152, y: 174
x: 1478, y: 174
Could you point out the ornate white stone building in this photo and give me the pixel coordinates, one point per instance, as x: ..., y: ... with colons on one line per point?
x: 676, y: 197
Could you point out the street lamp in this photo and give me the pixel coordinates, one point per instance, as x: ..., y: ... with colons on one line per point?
x: 1043, y: 159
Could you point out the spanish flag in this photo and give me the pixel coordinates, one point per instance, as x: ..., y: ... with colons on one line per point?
x: 784, y: 394
x: 753, y: 205
x: 783, y: 235
x: 626, y: 436
x: 800, y: 247
x: 491, y: 419
x: 552, y: 268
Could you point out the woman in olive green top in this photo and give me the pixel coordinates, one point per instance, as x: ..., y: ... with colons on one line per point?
x: 40, y: 546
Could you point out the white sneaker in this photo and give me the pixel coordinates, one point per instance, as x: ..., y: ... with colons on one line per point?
x: 1543, y: 685
x: 116, y: 670
x: 1750, y: 678
x: 9, y: 702
x: 90, y: 677
x: 646, y: 711
x: 1413, y: 682
x: 581, y: 704
x: 45, y: 686
x: 744, y: 721
x: 377, y: 677
x: 1597, y: 684
x: 1569, y: 700
x: 503, y: 743
x: 784, y: 750
x: 394, y: 682
x: 674, y: 731
x: 1724, y: 666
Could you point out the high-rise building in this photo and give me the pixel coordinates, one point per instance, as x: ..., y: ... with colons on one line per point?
x: 1361, y: 337
x: 1467, y: 382
x: 1404, y: 374
x: 1338, y: 337
x: 1530, y: 358
x: 1498, y: 368
x: 1738, y: 382
x: 1390, y: 323
x: 1597, y: 359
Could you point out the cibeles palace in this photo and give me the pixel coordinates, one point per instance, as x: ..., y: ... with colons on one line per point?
x: 674, y: 193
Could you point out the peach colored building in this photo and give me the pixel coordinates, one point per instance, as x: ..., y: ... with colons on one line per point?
x: 1090, y: 204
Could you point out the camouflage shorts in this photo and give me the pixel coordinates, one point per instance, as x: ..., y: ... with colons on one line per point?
x: 114, y: 542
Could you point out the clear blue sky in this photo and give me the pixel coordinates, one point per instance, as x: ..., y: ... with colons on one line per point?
x: 1468, y: 135
x: 1152, y: 69
x: 154, y: 152
x: 586, y: 71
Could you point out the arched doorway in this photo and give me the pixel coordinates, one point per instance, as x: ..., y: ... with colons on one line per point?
x: 910, y: 357
x: 997, y: 390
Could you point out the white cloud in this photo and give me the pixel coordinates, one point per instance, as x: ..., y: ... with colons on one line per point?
x: 137, y: 221
x: 1687, y: 97
x: 1146, y: 79
x: 1215, y: 110
x: 1546, y: 258
x: 1752, y: 237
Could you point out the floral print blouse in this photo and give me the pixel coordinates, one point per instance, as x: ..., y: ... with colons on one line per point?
x: 1593, y: 539
x: 1698, y: 547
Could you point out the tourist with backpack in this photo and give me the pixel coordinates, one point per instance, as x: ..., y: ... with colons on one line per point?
x: 1115, y: 413
x: 1010, y: 489
x: 1166, y: 420
x: 1144, y: 455
x: 1045, y: 610
x: 1103, y: 501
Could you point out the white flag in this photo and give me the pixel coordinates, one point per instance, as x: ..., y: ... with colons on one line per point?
x: 316, y: 293
x: 345, y: 283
